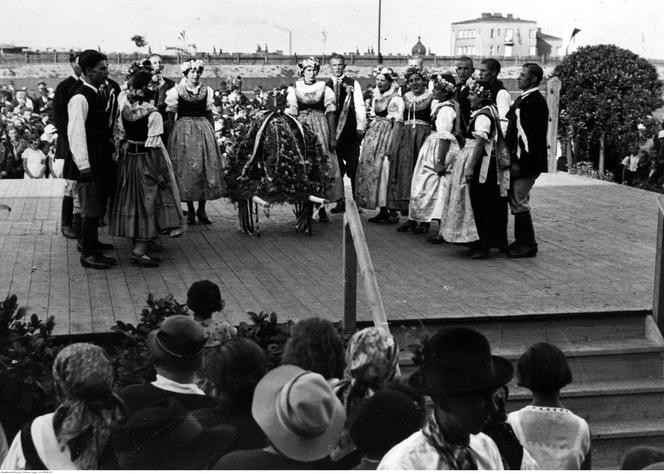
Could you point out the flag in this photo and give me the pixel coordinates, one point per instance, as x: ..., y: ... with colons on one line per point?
x: 574, y: 33
x: 182, y: 35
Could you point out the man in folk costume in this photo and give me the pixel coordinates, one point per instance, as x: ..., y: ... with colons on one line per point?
x: 526, y: 138
x: 164, y: 85
x: 70, y: 220
x: 90, y: 136
x: 351, y: 120
x: 464, y: 71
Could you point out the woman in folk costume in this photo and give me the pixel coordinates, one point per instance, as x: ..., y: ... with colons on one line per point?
x: 417, y: 127
x: 378, y: 146
x: 313, y: 103
x: 488, y: 178
x: 436, y: 158
x: 146, y: 201
x: 197, y: 160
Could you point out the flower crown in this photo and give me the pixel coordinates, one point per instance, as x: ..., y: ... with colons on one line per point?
x: 309, y: 62
x: 444, y: 85
x: 191, y: 64
x: 385, y: 71
x: 476, y: 88
x: 412, y: 70
x: 143, y: 65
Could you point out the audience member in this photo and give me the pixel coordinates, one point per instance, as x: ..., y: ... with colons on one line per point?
x: 372, y: 356
x: 166, y: 436
x: 301, y: 417
x: 553, y: 435
x: 75, y: 436
x: 235, y: 368
x: 630, y: 165
x: 641, y: 457
x: 176, y: 350
x: 34, y: 160
x: 460, y: 375
x: 204, y: 299
x: 381, y: 422
x: 316, y: 345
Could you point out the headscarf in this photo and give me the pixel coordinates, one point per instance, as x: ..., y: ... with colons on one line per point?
x: 84, y: 378
x: 452, y: 457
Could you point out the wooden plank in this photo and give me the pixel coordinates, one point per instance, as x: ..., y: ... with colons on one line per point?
x: 658, y: 288
x: 350, y: 279
x: 553, y: 102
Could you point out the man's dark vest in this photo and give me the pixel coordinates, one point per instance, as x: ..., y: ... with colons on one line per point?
x: 351, y: 121
x: 98, y: 134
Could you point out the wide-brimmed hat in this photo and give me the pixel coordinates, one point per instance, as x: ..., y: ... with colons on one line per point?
x: 50, y: 128
x: 459, y: 360
x: 179, y: 337
x: 166, y: 436
x: 298, y: 412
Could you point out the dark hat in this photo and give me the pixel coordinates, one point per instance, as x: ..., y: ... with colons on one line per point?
x: 166, y: 436
x: 178, y: 338
x: 459, y: 360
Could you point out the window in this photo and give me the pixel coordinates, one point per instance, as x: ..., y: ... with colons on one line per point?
x: 509, y: 34
x: 491, y: 35
x: 532, y: 34
x: 498, y: 33
x: 498, y: 49
x: 533, y: 51
x: 490, y: 50
x: 508, y: 51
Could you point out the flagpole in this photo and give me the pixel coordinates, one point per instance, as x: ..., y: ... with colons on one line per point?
x: 380, y: 58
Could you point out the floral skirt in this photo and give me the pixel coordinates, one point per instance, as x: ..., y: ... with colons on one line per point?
x: 427, y: 190
x: 373, y: 168
x: 317, y: 122
x: 457, y: 224
x: 146, y: 200
x: 402, y: 165
x: 197, y: 160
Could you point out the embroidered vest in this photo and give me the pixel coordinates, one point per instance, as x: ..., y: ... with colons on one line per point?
x: 190, y: 105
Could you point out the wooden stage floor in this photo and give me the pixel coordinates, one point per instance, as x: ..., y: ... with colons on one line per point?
x: 597, y: 248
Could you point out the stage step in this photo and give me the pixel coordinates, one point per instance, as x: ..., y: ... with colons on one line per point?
x: 616, y: 362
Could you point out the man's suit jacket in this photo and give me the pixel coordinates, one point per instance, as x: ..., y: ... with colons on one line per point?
x: 528, y: 147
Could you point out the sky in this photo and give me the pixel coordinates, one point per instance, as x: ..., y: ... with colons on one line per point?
x: 317, y: 26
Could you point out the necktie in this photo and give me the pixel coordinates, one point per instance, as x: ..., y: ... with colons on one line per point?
x: 102, y: 92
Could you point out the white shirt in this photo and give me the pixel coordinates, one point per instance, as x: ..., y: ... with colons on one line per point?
x: 503, y: 102
x: 177, y: 387
x: 77, y: 111
x: 415, y: 453
x: 557, y: 438
x: 631, y: 162
x: 358, y: 102
x: 46, y: 444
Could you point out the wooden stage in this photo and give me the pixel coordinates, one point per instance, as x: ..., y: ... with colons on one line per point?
x: 596, y: 240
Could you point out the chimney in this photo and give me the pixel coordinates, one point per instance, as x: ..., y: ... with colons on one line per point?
x: 509, y: 15
x: 486, y: 15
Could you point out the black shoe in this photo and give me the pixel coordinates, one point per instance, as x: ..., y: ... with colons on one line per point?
x: 479, y: 254
x: 108, y: 260
x: 436, y: 240
x: 191, y: 220
x: 409, y: 225
x: 103, y: 246
x: 68, y: 232
x: 203, y: 218
x: 422, y: 228
x: 523, y: 251
x: 339, y: 208
x: 508, y: 248
x: 143, y: 260
x: 322, y: 215
x: 379, y: 218
x: 93, y: 261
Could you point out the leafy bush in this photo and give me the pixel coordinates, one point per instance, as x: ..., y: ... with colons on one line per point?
x: 27, y: 351
x: 610, y: 90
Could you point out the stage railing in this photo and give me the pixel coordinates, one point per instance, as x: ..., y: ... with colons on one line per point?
x: 658, y: 294
x: 356, y: 254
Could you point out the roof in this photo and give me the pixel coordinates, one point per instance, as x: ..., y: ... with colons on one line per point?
x: 544, y: 36
x: 493, y: 19
x: 12, y: 46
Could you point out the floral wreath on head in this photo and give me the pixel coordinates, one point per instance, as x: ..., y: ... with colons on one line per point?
x: 385, y: 71
x: 187, y: 66
x: 478, y: 89
x: 142, y: 65
x: 412, y: 70
x: 309, y: 62
x: 443, y: 85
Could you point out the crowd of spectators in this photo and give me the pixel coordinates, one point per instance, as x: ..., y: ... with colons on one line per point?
x: 328, y: 405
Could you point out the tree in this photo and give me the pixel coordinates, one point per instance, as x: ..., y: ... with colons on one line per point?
x: 606, y: 92
x: 139, y: 41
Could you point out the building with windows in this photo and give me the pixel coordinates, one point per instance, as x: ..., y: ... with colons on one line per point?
x: 502, y: 36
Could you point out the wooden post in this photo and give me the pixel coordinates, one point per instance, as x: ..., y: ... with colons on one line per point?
x: 602, y: 159
x: 568, y: 151
x: 553, y: 102
x: 350, y: 279
x: 658, y: 294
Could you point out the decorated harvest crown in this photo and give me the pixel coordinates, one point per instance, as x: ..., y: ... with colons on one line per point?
x: 187, y: 66
x: 143, y: 65
x: 385, y: 71
x: 443, y: 85
x: 412, y: 70
x: 309, y: 62
x: 479, y: 89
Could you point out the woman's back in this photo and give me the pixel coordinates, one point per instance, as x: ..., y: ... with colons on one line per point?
x: 555, y: 437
